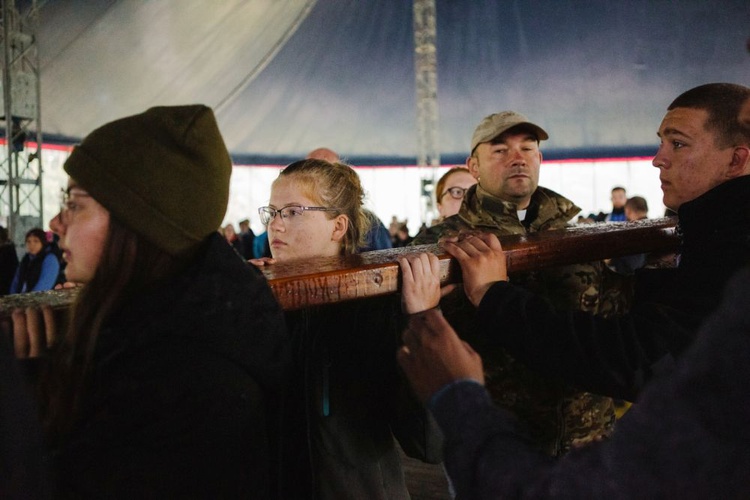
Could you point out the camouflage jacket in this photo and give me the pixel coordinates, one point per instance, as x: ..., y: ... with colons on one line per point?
x: 557, y: 415
x: 482, y: 211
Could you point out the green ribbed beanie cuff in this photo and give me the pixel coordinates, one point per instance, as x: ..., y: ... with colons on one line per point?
x: 163, y: 173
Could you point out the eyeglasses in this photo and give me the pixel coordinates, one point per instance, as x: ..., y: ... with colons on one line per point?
x: 68, y: 205
x: 289, y: 213
x: 457, y: 193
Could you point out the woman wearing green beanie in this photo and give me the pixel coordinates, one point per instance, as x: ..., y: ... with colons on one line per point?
x: 165, y: 381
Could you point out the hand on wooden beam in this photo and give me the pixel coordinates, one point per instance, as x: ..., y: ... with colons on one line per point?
x: 482, y: 260
x: 420, y: 282
x: 34, y: 330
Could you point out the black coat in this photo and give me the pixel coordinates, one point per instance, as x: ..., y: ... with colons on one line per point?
x: 687, y: 437
x: 349, y: 400
x: 8, y: 266
x: 23, y: 470
x: 617, y: 356
x: 183, y: 400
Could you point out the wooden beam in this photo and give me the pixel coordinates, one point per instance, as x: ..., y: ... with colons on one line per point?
x: 337, y: 279
x: 330, y: 280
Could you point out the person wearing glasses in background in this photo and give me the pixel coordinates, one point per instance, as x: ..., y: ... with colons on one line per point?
x: 450, y: 190
x: 505, y: 159
x: 349, y: 398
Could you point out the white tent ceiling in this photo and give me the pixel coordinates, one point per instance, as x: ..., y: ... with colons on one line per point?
x: 286, y: 76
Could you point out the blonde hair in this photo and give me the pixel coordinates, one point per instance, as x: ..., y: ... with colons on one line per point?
x: 334, y: 185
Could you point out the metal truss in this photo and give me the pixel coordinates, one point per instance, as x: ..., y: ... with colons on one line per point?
x: 425, y: 66
x: 20, y: 169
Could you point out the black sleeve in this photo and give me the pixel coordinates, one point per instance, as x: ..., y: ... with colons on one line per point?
x: 686, y: 438
x: 608, y: 356
x: 23, y: 470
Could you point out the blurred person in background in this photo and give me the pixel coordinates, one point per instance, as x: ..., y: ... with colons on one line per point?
x: 8, y: 261
x: 450, y: 190
x: 39, y: 268
x: 233, y: 239
x: 636, y: 208
x: 247, y: 236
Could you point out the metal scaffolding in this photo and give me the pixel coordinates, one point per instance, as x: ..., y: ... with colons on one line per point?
x: 20, y: 171
x: 425, y: 66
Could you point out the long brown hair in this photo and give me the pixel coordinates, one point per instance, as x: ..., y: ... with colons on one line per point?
x: 129, y: 266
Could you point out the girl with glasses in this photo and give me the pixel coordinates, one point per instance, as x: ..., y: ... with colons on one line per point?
x: 315, y: 210
x: 349, y: 398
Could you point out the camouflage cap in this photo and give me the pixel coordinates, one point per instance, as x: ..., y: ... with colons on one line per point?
x: 497, y: 123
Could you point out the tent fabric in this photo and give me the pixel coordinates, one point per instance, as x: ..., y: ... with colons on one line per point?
x: 287, y: 76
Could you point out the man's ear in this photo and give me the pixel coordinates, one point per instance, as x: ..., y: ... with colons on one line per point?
x: 740, y: 162
x: 472, y: 163
x: 341, y: 224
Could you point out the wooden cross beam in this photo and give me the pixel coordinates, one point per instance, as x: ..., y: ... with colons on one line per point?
x: 330, y: 280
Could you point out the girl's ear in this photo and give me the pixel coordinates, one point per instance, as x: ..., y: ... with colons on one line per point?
x: 341, y: 224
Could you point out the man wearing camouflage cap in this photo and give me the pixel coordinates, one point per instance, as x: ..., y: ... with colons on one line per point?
x: 505, y: 159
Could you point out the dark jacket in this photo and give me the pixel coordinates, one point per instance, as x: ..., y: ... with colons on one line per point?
x: 24, y: 474
x: 248, y: 240
x: 480, y: 211
x: 183, y: 399
x: 558, y: 415
x: 8, y: 266
x: 616, y: 356
x: 687, y: 437
x: 350, y: 400
x: 36, y: 273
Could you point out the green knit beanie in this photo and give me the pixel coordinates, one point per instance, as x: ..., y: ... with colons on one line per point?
x: 163, y: 173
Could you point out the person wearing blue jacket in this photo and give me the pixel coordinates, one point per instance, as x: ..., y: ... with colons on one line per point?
x: 39, y: 268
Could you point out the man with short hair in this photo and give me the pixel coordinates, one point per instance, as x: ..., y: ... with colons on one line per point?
x: 505, y: 159
x: 636, y: 208
x: 687, y: 436
x: 618, y: 197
